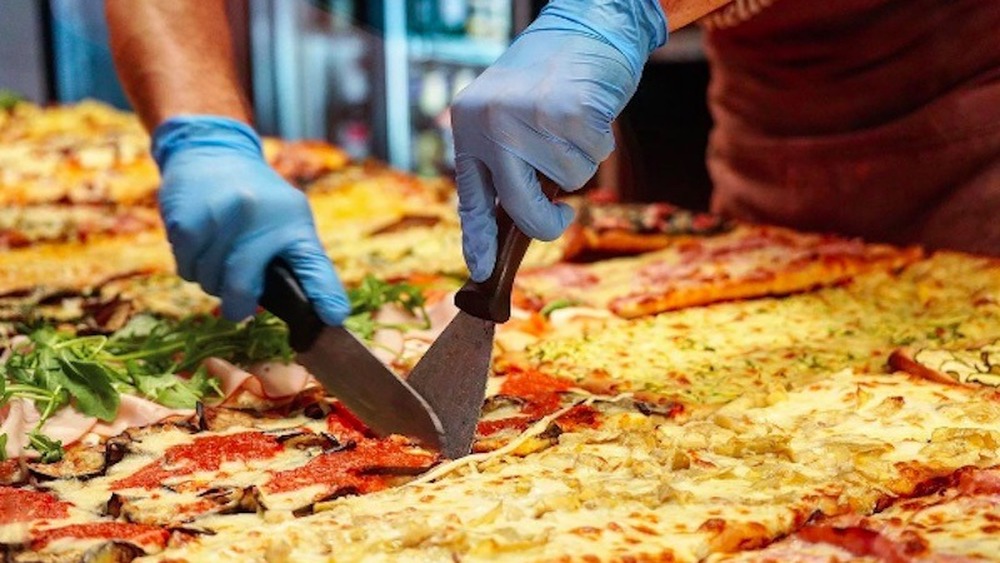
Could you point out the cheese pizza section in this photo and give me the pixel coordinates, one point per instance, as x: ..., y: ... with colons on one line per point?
x: 954, y: 521
x: 643, y: 487
x: 712, y: 355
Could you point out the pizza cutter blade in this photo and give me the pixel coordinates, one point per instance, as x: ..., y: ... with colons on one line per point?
x: 452, y: 374
x: 346, y: 368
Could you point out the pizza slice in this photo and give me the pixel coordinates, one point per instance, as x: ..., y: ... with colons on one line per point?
x: 954, y: 520
x: 603, y: 230
x: 750, y: 261
x: 971, y: 366
x: 35, y: 224
x: 76, y: 266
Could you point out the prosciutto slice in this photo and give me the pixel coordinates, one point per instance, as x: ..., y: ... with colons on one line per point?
x: 19, y: 417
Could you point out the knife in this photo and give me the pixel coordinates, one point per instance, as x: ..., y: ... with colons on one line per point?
x: 452, y: 374
x: 346, y: 368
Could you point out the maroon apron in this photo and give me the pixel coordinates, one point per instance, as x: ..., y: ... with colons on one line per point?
x: 876, y: 118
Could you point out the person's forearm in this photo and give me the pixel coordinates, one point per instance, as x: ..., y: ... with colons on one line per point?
x: 683, y: 12
x: 175, y: 57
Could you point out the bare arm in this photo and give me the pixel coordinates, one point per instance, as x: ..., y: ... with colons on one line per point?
x: 683, y: 12
x: 175, y: 57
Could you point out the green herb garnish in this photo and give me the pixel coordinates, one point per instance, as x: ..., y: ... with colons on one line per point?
x: 560, y: 303
x: 372, y: 294
x: 159, y: 359
x: 51, y: 450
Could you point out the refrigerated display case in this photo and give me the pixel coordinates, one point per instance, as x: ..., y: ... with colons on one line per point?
x: 375, y: 77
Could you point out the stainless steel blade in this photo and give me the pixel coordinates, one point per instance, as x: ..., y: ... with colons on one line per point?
x: 452, y: 378
x: 379, y: 397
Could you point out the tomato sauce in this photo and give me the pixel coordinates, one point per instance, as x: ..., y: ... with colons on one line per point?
x: 490, y: 427
x: 351, y: 468
x: 204, y: 454
x: 345, y: 426
x: 580, y: 416
x: 542, y: 392
x: 21, y: 505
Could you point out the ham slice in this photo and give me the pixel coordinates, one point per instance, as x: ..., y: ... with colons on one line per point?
x: 136, y: 411
x: 394, y: 347
x: 19, y: 417
x: 270, y: 380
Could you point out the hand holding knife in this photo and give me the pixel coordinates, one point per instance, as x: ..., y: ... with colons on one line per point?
x: 440, y: 403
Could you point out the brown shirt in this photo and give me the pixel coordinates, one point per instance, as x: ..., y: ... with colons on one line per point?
x: 877, y: 118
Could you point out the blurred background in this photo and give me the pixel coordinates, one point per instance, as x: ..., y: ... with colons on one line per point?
x: 376, y: 78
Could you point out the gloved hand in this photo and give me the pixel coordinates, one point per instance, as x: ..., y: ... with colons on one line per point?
x: 228, y: 214
x: 546, y: 104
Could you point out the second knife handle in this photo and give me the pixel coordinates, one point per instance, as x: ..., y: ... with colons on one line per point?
x: 490, y: 299
x: 284, y: 297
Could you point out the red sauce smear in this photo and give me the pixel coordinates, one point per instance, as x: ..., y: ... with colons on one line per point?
x: 542, y: 395
x: 979, y: 481
x: 541, y: 392
x: 139, y: 534
x: 345, y: 426
x: 859, y: 541
x: 204, y: 454
x: 580, y: 416
x: 490, y: 427
x: 20, y: 505
x: 9, y: 469
x: 357, y: 468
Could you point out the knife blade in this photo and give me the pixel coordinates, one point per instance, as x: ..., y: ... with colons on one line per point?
x: 346, y: 368
x: 452, y: 373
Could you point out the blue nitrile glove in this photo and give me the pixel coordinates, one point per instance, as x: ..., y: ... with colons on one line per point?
x: 546, y: 104
x: 228, y: 214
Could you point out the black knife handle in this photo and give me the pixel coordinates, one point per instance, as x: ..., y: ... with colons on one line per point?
x: 283, y: 296
x: 490, y: 299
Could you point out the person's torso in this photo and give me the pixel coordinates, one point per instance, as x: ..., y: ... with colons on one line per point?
x: 878, y: 118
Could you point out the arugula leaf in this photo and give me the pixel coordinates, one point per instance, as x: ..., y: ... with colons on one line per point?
x: 371, y: 295
x: 176, y: 392
x: 51, y: 450
x: 363, y: 325
x: 3, y: 447
x: 150, y: 357
x: 161, y: 359
x: 90, y: 385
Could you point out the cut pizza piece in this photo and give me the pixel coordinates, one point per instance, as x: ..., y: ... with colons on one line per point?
x: 750, y: 261
x: 35, y: 525
x: 418, y: 249
x: 971, y: 366
x: 75, y: 266
x: 605, y: 229
x: 84, y: 153
x: 93, y: 153
x: 105, y: 308
x: 954, y: 521
x: 223, y: 462
x: 34, y: 224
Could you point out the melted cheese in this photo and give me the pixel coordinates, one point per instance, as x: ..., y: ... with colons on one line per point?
x: 712, y: 355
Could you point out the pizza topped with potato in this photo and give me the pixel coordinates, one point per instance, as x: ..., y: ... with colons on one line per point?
x: 671, y: 386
